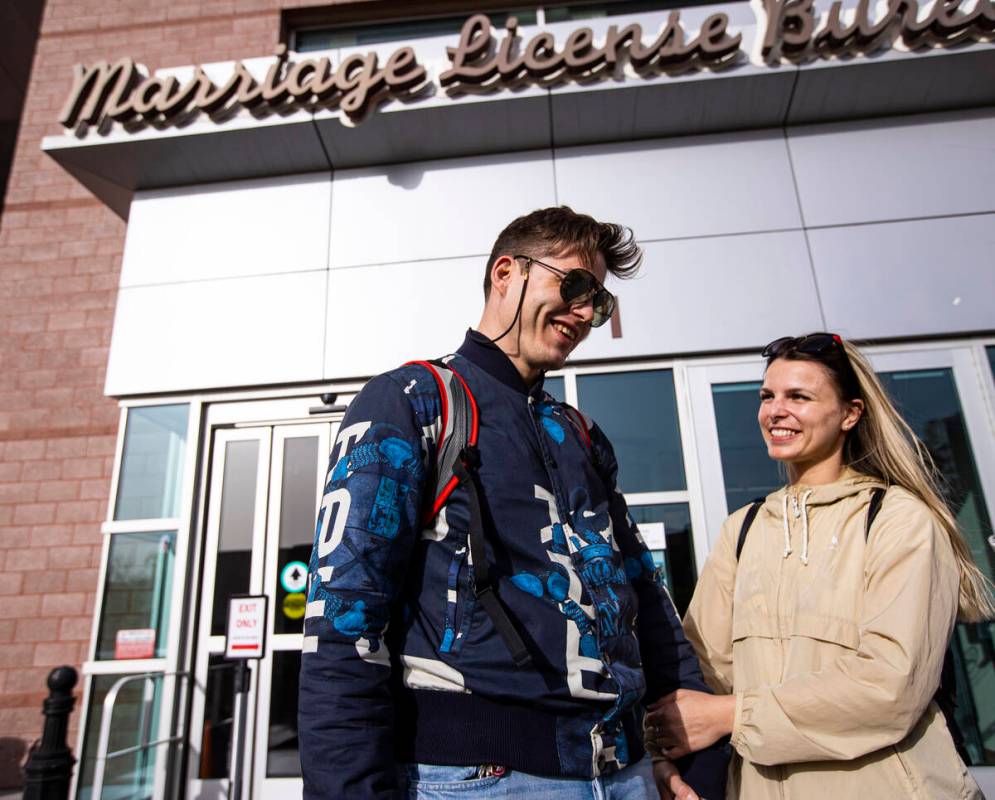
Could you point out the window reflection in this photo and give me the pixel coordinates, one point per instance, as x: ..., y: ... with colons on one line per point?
x: 134, y: 617
x: 238, y: 508
x: 152, y: 463
x: 219, y: 708
x: 283, y: 755
x: 929, y: 402
x: 136, y: 711
x: 746, y: 470
x: 676, y: 561
x: 298, y: 507
x: 555, y: 386
x: 638, y: 413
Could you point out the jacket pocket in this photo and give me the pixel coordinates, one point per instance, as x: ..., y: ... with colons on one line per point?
x: 459, y: 602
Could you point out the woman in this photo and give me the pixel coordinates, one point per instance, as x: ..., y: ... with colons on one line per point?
x: 825, y: 650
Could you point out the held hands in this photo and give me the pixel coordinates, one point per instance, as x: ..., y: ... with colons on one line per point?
x: 669, y: 783
x: 685, y: 721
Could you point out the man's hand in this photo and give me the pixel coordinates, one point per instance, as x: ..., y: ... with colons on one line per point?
x: 685, y: 721
x: 669, y: 783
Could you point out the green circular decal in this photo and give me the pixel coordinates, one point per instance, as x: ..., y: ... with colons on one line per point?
x: 293, y: 577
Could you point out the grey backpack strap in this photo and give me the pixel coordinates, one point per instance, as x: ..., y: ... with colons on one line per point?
x: 747, y: 522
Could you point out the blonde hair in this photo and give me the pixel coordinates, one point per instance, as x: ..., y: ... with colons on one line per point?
x: 883, y: 445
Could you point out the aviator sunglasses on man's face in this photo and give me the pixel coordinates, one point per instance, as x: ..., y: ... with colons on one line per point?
x: 579, y: 286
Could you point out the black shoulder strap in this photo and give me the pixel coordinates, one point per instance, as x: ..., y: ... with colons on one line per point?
x: 457, y: 462
x: 747, y: 522
x: 877, y: 495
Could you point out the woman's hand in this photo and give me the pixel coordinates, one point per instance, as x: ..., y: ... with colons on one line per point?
x: 685, y: 721
x: 669, y: 783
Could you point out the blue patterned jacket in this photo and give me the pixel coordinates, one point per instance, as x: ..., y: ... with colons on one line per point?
x: 400, y: 664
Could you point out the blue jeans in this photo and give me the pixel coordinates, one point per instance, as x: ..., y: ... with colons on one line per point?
x: 428, y: 782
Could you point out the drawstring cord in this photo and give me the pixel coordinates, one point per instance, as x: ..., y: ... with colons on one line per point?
x: 787, y: 528
x: 805, y: 527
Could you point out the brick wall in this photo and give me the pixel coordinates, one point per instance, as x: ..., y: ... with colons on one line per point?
x: 60, y: 255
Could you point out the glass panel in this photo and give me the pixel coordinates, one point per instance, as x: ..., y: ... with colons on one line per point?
x: 746, y: 470
x: 127, y: 777
x: 298, y: 509
x: 676, y: 562
x: 991, y: 358
x: 238, y: 508
x: 152, y: 463
x: 283, y: 756
x: 556, y: 387
x: 358, y: 35
x: 929, y: 402
x: 638, y: 412
x: 134, y: 618
x: 219, y: 706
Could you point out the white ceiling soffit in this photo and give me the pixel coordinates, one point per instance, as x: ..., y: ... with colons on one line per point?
x: 740, y: 96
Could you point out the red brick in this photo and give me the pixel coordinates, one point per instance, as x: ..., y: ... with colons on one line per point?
x: 10, y: 471
x: 34, y: 513
x: 64, y: 605
x: 44, y: 581
x: 83, y: 467
x: 7, y: 627
x: 25, y: 559
x: 75, y: 629
x: 11, y: 583
x: 55, y: 654
x: 37, y: 630
x: 73, y: 557
x: 78, y: 511
x: 15, y: 537
x: 81, y: 579
x: 19, y: 607
x: 18, y: 492
x: 42, y: 470
x: 24, y: 450
x: 58, y: 490
x: 16, y: 655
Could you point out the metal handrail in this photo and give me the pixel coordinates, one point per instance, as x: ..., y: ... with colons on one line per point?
x: 105, y: 727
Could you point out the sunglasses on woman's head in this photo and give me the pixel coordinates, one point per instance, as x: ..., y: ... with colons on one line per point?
x: 580, y: 286
x: 813, y: 344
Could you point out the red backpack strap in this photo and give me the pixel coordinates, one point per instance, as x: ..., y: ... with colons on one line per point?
x: 459, y: 425
x: 579, y: 422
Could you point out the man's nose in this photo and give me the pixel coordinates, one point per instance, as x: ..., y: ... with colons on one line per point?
x: 583, y: 309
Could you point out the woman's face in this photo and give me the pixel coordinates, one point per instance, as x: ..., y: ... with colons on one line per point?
x: 802, y: 418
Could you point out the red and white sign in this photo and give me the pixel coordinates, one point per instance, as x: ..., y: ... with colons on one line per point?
x: 136, y: 643
x: 246, y: 627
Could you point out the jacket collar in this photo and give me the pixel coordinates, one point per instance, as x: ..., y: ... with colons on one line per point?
x: 483, y: 353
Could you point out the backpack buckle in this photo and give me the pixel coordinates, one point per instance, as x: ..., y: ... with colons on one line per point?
x: 469, y: 456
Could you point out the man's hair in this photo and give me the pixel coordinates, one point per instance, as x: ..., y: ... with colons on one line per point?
x: 562, y: 231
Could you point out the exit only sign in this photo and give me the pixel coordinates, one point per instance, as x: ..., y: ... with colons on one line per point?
x: 246, y: 636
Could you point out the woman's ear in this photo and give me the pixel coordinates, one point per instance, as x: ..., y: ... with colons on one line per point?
x: 854, y: 411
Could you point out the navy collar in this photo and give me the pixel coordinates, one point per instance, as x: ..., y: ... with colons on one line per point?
x: 483, y: 353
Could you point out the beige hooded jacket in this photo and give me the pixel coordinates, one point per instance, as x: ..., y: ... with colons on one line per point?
x: 834, y: 648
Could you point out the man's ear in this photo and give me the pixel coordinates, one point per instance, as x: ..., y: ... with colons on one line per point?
x: 502, y: 274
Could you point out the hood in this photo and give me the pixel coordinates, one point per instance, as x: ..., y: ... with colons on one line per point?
x: 849, y: 483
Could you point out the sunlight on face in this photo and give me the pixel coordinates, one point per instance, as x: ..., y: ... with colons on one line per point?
x: 802, y: 418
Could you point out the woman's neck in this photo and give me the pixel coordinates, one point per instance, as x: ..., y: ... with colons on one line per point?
x: 818, y: 474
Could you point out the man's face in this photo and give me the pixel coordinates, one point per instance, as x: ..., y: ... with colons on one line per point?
x: 551, y: 328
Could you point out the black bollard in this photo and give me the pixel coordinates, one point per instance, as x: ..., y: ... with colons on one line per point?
x: 50, y: 765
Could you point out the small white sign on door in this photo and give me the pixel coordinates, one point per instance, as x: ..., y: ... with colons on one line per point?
x: 653, y: 535
x: 246, y: 635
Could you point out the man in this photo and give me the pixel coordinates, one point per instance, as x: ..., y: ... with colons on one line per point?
x: 410, y: 681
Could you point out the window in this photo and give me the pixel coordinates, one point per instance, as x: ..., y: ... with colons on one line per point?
x: 638, y: 413
x: 152, y: 463
x: 349, y: 36
x: 134, y: 614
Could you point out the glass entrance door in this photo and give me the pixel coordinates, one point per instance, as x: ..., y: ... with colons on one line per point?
x: 263, y: 493
x: 942, y: 393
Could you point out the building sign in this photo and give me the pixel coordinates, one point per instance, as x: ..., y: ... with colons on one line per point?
x: 484, y: 60
x: 246, y: 633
